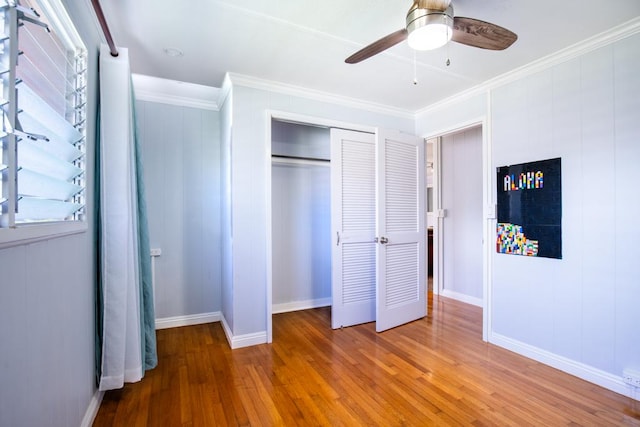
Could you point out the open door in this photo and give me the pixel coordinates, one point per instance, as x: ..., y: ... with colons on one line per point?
x: 378, y: 221
x: 401, y: 248
x: 353, y: 222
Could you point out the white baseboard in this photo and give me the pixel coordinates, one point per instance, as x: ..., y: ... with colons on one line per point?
x: 92, y: 409
x: 580, y: 370
x: 462, y: 297
x: 240, y: 341
x: 300, y: 305
x: 191, y: 319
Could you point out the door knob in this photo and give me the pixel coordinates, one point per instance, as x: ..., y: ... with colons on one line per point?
x: 384, y: 240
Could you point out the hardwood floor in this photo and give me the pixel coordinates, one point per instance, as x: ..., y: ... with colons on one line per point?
x: 435, y: 371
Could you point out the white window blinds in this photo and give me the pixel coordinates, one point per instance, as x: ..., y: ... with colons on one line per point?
x: 43, y: 138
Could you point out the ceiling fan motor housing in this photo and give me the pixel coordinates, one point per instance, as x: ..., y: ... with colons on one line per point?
x: 428, y: 28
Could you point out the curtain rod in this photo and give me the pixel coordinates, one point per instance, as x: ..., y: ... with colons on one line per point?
x: 105, y: 27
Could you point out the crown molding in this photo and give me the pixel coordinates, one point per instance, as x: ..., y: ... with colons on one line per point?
x: 165, y: 91
x: 596, y: 42
x: 316, y: 95
x: 225, y: 90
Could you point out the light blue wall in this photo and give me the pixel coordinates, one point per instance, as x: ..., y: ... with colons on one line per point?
x: 181, y: 160
x: 250, y: 164
x: 586, y: 111
x: 579, y: 313
x: 47, y: 375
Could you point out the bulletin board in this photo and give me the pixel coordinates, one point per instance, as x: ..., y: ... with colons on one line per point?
x: 529, y: 209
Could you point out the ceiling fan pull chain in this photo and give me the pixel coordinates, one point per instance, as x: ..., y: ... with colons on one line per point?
x: 415, y: 69
x: 448, y: 56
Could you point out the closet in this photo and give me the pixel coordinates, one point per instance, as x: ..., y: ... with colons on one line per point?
x: 348, y: 223
x: 301, y: 216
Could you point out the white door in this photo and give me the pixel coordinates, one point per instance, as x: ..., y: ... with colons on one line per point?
x: 353, y: 222
x: 401, y: 248
x: 379, y: 250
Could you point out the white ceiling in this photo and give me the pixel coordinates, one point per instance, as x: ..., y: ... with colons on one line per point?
x: 304, y: 42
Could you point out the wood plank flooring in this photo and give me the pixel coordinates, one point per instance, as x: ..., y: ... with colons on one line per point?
x: 435, y: 371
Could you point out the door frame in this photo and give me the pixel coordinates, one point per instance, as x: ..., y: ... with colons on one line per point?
x: 303, y: 120
x: 488, y: 223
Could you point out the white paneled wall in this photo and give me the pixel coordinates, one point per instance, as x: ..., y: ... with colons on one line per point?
x: 579, y: 313
x: 47, y: 332
x: 583, y: 307
x: 181, y: 160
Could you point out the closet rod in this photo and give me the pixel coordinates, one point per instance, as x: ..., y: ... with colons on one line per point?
x: 105, y: 27
x: 313, y: 159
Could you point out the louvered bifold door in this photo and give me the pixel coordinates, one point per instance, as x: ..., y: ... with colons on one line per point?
x: 353, y: 219
x: 401, y: 250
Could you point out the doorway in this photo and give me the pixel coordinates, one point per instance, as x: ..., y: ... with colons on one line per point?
x: 399, y: 282
x: 482, y: 235
x: 301, y: 216
x: 462, y: 201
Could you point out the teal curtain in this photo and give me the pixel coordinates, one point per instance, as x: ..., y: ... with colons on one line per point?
x: 125, y: 320
x: 147, y: 314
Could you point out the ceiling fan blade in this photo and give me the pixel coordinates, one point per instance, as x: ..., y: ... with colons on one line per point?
x: 378, y: 46
x: 477, y: 33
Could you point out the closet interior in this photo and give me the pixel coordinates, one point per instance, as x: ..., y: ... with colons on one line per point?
x: 301, y: 216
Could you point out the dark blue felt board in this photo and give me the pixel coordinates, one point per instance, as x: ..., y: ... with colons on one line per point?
x: 538, y: 211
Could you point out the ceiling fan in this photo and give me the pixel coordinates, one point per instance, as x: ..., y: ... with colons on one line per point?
x: 430, y: 24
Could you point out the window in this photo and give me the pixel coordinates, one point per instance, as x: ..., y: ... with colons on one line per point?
x: 43, y: 87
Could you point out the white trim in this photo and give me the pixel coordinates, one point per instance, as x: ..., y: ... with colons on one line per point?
x: 462, y: 297
x: 588, y: 373
x: 437, y: 222
x: 316, y: 121
x: 63, y: 25
x: 191, y: 319
x: 248, y: 340
x: 165, y: 91
x: 92, y: 409
x: 160, y: 98
x: 489, y: 223
x: 31, y: 233
x: 458, y: 127
x: 316, y: 95
x: 227, y: 330
x: 225, y: 90
x: 241, y: 341
x: 269, y: 226
x: 286, y: 307
x: 603, y: 39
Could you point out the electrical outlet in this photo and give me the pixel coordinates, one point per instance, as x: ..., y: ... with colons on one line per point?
x: 631, y: 377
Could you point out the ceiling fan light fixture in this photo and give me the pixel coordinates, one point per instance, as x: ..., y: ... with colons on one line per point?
x: 429, y: 29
